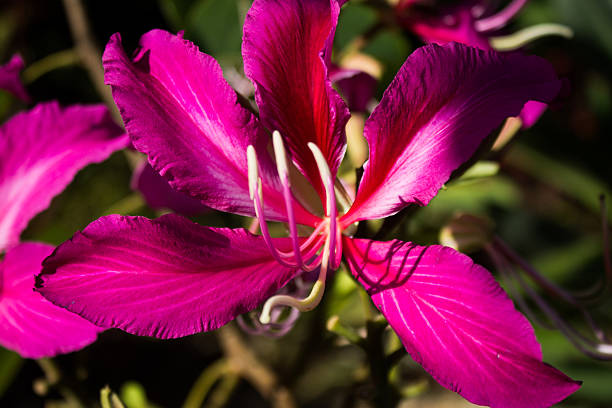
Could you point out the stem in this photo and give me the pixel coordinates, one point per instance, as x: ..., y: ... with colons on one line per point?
x: 244, y: 362
x: 49, y: 63
x: 385, y: 395
x: 90, y: 56
x: 224, y: 390
x: 204, y: 383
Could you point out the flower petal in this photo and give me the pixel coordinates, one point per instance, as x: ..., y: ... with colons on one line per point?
x: 179, y: 110
x: 40, y: 152
x: 166, y: 278
x: 455, y: 24
x: 441, y: 105
x: 9, y: 78
x: 285, y: 48
x: 531, y: 113
x: 160, y: 195
x: 457, y: 322
x: 30, y: 324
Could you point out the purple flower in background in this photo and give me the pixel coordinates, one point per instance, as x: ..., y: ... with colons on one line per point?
x: 40, y: 152
x: 356, y: 86
x: 475, y: 23
x: 9, y: 78
x: 170, y: 277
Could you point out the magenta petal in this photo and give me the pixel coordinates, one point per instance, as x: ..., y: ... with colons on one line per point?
x: 285, y: 47
x: 10, y: 80
x: 179, y: 110
x: 456, y: 25
x: 30, y: 324
x: 158, y: 194
x: 531, y: 113
x: 166, y: 278
x: 40, y: 152
x: 441, y: 105
x: 457, y: 322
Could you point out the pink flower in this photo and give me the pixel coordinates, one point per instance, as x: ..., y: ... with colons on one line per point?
x: 40, y: 152
x: 170, y: 277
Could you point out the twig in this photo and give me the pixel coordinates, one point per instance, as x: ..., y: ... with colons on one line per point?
x: 90, y: 55
x: 244, y: 362
x: 204, y: 384
x: 49, y: 63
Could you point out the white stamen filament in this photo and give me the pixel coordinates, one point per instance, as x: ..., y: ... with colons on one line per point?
x: 283, y: 174
x: 255, y: 191
x: 328, y: 182
x: 280, y: 155
x: 332, y: 243
x: 525, y: 36
x: 325, y: 177
x: 605, y: 349
x: 310, y: 246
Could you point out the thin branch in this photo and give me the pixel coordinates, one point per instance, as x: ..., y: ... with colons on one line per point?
x: 88, y: 52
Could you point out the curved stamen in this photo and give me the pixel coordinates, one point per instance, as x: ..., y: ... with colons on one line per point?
x: 330, y: 208
x: 525, y: 36
x: 312, y: 243
x: 303, y: 305
x: 498, y: 20
x: 316, y: 294
x: 255, y: 192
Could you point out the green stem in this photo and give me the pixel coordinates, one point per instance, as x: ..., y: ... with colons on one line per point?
x: 49, y: 63
x: 204, y: 384
x: 224, y: 390
x: 385, y: 395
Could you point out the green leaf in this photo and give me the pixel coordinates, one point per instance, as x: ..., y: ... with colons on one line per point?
x: 216, y: 25
x: 391, y: 49
x: 354, y: 20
